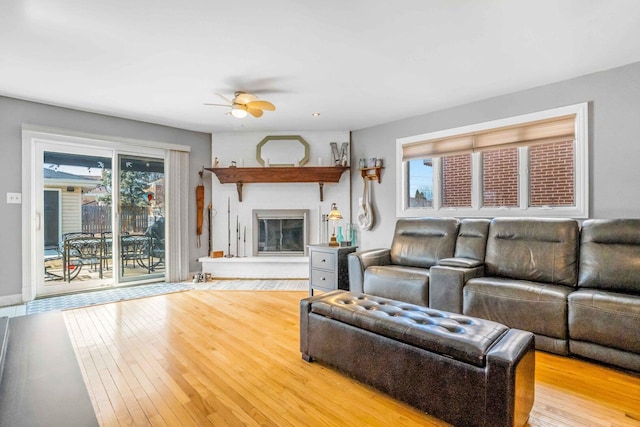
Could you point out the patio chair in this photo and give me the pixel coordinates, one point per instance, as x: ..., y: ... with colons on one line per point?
x: 52, y: 254
x: 155, y: 247
x: 79, y: 250
x: 134, y: 248
x: 107, y: 249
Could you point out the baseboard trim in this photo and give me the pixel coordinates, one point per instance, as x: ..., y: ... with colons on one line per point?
x: 7, y: 300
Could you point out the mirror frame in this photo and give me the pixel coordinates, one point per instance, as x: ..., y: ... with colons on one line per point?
x: 298, y: 138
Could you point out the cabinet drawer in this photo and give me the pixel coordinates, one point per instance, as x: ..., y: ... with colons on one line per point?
x: 323, y: 279
x: 325, y: 260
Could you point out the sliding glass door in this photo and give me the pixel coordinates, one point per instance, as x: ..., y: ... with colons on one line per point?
x: 76, y: 218
x: 141, y: 217
x: 101, y: 218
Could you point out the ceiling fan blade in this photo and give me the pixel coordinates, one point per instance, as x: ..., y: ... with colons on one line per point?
x: 262, y: 105
x: 255, y: 112
x: 225, y: 98
x: 217, y: 105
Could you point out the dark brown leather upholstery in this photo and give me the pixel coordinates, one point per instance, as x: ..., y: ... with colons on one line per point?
x: 446, y: 286
x: 610, y: 255
x: 530, y: 269
x: 402, y: 272
x: 536, y: 307
x: 409, y: 284
x: 471, y: 244
x: 360, y: 261
x: 528, y: 278
x: 604, y: 314
x: 423, y: 242
x: 605, y: 318
x: 537, y: 249
x: 461, y: 337
x: 448, y: 278
x: 465, y: 371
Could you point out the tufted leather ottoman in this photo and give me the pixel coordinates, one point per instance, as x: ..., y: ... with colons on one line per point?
x: 464, y: 370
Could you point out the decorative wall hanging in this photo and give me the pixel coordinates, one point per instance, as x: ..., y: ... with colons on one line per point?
x: 365, y: 213
x: 339, y: 158
x: 200, y: 210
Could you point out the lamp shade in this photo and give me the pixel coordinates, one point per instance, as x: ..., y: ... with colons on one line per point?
x: 239, y: 111
x: 335, y: 214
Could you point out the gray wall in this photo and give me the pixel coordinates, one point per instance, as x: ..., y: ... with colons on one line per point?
x: 14, y: 113
x: 614, y: 142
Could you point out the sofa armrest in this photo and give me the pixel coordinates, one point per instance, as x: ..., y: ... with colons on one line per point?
x: 510, y: 378
x: 445, y: 286
x: 360, y: 261
x: 461, y: 262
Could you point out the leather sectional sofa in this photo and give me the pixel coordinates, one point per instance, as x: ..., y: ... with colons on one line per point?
x: 575, y: 286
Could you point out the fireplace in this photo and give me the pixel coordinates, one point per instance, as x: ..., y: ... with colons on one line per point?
x: 280, y: 232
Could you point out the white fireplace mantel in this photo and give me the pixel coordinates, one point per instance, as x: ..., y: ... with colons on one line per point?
x: 233, y: 221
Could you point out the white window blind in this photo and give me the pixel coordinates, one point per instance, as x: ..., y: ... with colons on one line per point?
x: 524, y: 134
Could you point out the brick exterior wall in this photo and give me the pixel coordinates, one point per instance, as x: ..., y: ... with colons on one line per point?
x: 456, y: 181
x: 551, y: 177
x: 551, y: 174
x: 500, y: 178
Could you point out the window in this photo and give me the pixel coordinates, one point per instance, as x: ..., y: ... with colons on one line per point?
x: 500, y: 178
x: 420, y: 183
x: 456, y: 181
x: 533, y: 165
x: 551, y: 171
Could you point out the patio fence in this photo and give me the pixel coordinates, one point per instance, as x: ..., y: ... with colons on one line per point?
x: 97, y: 219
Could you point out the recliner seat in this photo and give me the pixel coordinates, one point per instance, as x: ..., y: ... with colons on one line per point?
x: 530, y: 270
x: 604, y: 313
x: 402, y: 272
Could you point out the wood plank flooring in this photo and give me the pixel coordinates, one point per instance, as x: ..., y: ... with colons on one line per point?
x: 221, y: 358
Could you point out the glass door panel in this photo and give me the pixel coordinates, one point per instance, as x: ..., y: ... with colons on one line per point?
x: 141, y: 213
x: 76, y: 218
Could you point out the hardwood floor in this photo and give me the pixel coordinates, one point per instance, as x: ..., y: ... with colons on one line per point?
x: 222, y: 358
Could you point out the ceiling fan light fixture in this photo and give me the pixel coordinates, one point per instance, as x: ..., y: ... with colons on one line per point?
x: 244, y: 104
x: 244, y: 98
x: 239, y: 111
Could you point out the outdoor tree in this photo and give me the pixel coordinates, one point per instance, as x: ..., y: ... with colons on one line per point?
x: 133, y: 187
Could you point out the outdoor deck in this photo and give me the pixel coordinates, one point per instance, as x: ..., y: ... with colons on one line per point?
x: 88, y: 256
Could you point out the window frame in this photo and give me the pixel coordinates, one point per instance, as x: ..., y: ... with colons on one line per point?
x: 581, y: 172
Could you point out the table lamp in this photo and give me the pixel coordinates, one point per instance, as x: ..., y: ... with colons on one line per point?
x: 334, y: 216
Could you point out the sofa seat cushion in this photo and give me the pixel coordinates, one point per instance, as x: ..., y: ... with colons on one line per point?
x: 540, y: 308
x: 453, y: 335
x: 398, y: 282
x: 605, y: 318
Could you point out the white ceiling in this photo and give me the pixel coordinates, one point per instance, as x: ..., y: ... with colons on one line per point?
x: 357, y: 62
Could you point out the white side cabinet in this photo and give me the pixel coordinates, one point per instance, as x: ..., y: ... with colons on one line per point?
x: 328, y: 267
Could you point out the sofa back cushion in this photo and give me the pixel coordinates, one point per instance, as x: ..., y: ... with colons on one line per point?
x: 422, y: 242
x: 536, y: 249
x: 472, y: 238
x: 610, y: 255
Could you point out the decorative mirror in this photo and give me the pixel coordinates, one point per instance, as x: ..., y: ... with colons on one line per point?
x: 282, y: 150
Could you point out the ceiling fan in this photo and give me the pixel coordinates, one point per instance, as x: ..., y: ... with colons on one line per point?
x: 244, y: 103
